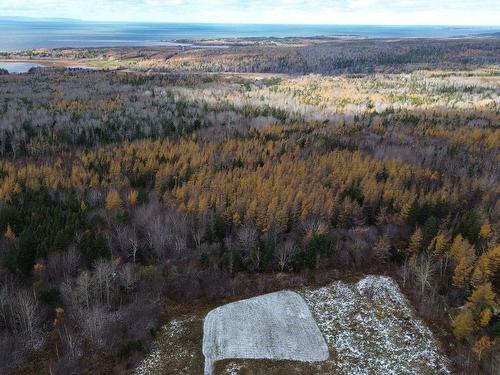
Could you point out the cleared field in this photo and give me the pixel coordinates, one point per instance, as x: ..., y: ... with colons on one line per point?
x: 274, y: 326
x: 369, y: 328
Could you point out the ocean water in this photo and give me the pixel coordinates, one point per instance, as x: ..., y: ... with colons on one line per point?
x: 28, y: 34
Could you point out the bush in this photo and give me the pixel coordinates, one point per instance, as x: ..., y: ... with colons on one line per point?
x: 93, y: 246
x: 129, y: 346
x: 204, y: 261
x: 48, y: 293
x: 317, y: 244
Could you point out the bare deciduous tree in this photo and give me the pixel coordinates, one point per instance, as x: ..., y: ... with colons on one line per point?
x: 104, y: 274
x: 134, y: 245
x: 63, y: 265
x: 92, y: 323
x: 248, y: 238
x: 285, y: 254
x: 424, y: 271
x: 128, y: 277
x: 27, y: 310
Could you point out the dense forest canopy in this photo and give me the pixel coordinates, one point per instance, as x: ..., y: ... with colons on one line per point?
x: 126, y: 195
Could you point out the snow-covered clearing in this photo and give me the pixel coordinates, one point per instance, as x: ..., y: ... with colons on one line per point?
x: 274, y: 326
x: 371, y: 328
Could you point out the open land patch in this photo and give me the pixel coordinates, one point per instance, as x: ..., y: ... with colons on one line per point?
x: 274, y: 326
x: 369, y: 327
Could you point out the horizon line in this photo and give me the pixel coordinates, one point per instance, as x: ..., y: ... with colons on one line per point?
x: 48, y: 19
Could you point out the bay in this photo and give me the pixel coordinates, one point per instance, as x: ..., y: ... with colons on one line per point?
x: 23, y: 34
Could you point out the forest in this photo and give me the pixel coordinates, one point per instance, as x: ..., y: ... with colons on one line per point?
x: 175, y: 183
x: 319, y: 55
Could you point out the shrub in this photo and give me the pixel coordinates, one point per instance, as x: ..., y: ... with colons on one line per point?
x: 129, y: 346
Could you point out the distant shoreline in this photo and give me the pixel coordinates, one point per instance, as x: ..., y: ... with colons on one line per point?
x: 18, y: 35
x: 225, y: 42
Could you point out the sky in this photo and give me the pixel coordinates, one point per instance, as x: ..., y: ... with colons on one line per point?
x: 359, y: 12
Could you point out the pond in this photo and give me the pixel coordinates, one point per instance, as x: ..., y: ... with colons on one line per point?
x: 19, y: 67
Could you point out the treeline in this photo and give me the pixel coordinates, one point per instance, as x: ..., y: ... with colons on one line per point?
x: 342, y: 57
x: 329, y: 56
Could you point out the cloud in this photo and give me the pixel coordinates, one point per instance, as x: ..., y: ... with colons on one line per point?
x: 472, y: 12
x: 361, y: 3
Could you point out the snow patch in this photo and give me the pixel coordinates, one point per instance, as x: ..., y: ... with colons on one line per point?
x: 371, y: 328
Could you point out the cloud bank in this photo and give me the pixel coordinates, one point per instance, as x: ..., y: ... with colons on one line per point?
x: 391, y: 12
